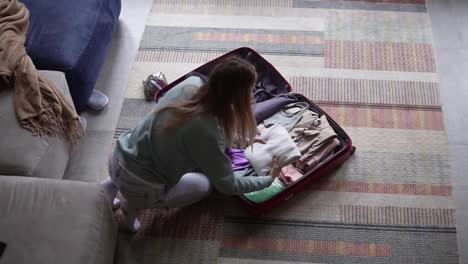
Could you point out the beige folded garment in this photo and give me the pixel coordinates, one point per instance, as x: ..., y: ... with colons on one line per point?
x: 279, y: 144
x: 315, y: 138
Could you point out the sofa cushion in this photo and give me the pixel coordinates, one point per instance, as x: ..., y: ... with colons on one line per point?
x: 55, y: 221
x: 21, y: 153
x: 73, y: 37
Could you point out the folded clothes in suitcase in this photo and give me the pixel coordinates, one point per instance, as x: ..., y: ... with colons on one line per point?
x: 320, y: 145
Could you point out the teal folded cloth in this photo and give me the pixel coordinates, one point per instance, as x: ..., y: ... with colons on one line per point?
x: 266, y: 194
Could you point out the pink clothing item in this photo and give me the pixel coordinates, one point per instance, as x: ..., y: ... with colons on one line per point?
x: 290, y: 174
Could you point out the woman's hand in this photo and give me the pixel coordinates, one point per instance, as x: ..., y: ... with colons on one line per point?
x: 258, y: 138
x: 275, y: 168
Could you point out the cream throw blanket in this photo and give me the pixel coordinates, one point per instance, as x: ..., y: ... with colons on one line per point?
x: 39, y: 106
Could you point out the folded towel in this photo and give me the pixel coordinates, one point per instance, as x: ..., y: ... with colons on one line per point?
x: 279, y: 144
x: 266, y: 194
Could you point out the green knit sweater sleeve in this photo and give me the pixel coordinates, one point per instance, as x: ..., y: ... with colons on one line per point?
x: 204, y: 142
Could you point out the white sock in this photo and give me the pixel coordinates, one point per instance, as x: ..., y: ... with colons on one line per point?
x: 97, y: 100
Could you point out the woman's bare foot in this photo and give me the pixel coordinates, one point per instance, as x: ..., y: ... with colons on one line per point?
x: 125, y: 224
x: 130, y: 221
x: 116, y: 204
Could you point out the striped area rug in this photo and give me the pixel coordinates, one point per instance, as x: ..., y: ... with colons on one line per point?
x: 370, y: 65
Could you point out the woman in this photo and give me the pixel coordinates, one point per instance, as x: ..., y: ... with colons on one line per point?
x: 177, y: 153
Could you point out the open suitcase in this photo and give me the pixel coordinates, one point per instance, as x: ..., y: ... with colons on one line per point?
x: 267, y: 73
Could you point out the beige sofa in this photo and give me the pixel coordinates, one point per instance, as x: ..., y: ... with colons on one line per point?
x: 44, y: 216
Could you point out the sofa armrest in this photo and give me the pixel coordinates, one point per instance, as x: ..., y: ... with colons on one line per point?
x: 23, y: 154
x: 55, y: 221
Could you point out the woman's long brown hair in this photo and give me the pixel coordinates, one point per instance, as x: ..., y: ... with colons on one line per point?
x: 227, y: 95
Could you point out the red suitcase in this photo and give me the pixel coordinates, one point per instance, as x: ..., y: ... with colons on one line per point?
x: 264, y: 68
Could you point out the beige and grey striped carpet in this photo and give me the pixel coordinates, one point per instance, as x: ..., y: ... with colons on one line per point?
x: 370, y: 65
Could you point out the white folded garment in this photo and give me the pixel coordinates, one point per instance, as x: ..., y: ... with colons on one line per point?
x: 279, y: 144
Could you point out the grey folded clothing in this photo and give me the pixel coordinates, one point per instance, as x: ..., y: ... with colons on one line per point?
x: 288, y: 116
x: 266, y: 109
x: 278, y: 143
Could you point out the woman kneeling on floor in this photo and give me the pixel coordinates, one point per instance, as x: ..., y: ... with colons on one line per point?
x: 176, y: 154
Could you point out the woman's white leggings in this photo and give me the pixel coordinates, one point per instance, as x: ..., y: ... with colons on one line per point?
x: 139, y: 194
